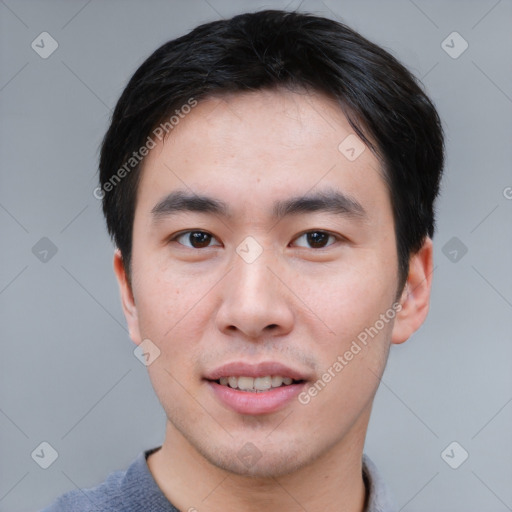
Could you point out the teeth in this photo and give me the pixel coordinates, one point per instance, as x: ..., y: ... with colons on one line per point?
x: 263, y: 383
x: 255, y: 384
x: 276, y: 381
x: 245, y: 383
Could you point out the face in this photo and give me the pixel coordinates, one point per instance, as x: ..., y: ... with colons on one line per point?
x: 259, y: 244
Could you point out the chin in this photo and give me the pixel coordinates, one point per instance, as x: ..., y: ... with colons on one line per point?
x: 269, y: 462
x: 273, y: 466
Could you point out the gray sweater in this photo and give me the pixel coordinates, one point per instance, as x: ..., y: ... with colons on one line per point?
x: 135, y: 490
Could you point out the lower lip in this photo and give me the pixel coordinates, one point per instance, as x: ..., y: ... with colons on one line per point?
x: 262, y: 402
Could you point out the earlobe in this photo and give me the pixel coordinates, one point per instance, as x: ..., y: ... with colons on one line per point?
x: 127, y: 298
x: 415, y: 298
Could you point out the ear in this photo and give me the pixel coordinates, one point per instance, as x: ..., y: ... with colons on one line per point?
x: 127, y: 300
x: 416, y: 294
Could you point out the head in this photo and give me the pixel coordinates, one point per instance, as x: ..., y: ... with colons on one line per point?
x: 294, y: 140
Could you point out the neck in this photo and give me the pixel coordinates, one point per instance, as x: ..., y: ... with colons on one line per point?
x: 332, y: 482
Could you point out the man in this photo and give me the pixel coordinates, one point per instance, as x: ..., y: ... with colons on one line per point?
x: 269, y: 183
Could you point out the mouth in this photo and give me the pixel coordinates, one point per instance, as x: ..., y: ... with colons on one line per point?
x: 255, y: 388
x: 258, y: 384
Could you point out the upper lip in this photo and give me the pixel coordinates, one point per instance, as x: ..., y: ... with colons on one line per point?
x: 263, y: 369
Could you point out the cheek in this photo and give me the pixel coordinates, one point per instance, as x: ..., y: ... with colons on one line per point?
x: 349, y: 376
x: 173, y: 313
x: 353, y: 357
x: 349, y: 299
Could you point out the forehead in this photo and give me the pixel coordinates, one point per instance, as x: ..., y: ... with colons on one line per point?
x: 263, y: 144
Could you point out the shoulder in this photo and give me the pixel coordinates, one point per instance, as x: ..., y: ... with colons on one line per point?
x: 106, y: 496
x: 128, y: 490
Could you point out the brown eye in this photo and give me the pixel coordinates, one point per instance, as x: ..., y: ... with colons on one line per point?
x: 195, y: 239
x: 316, y: 239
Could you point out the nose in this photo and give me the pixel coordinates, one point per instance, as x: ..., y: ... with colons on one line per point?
x: 255, y: 300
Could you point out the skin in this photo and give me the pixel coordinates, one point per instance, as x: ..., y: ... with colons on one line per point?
x: 298, y: 304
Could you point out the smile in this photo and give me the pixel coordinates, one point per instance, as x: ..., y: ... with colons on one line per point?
x: 257, y: 384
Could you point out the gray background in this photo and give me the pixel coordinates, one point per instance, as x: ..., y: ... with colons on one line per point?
x: 68, y: 373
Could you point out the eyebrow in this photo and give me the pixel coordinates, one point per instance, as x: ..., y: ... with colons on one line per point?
x: 331, y: 201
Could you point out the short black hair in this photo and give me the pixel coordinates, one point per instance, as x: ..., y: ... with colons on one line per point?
x: 382, y: 100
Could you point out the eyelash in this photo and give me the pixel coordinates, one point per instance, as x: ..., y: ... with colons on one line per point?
x: 323, y: 232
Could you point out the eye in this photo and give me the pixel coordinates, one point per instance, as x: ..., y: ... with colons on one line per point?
x: 316, y: 239
x: 195, y: 239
